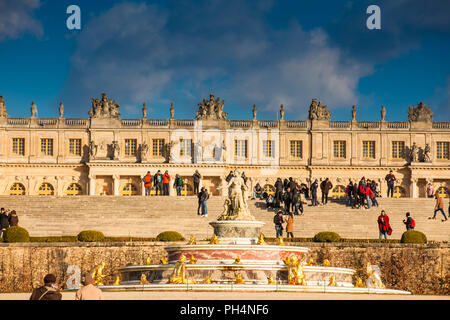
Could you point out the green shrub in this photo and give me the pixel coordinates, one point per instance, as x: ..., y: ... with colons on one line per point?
x: 327, y: 236
x: 169, y: 236
x: 413, y: 236
x: 16, y: 234
x: 91, y: 236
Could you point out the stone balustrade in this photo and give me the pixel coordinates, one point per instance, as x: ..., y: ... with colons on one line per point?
x: 398, y: 124
x: 157, y: 122
x: 441, y: 125
x: 268, y: 123
x: 297, y: 124
x: 368, y: 124
x: 184, y: 123
x: 47, y: 121
x: 340, y: 124
x: 240, y: 123
x: 131, y: 122
x: 18, y: 121
x: 72, y: 122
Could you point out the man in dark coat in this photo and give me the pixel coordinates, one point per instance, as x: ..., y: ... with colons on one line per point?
x: 313, y: 188
x: 204, y: 197
x: 229, y: 176
x: 49, y: 291
x: 196, y: 177
x: 292, y: 184
x: 4, y: 222
x: 278, y: 192
x: 325, y: 187
x: 287, y: 198
x: 13, y: 219
x: 157, y: 182
x: 199, y: 196
x: 390, y: 179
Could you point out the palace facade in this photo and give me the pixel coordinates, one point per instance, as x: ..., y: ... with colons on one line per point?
x: 107, y: 155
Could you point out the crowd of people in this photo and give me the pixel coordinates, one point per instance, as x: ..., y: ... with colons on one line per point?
x: 160, y: 182
x: 8, y: 218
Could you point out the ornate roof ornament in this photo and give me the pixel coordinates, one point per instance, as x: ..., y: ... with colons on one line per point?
x: 421, y: 113
x: 318, y: 111
x: 211, y: 109
x: 104, y: 108
x: 3, y: 113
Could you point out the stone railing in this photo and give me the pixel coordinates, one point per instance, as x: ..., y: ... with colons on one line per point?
x: 76, y: 122
x: 398, y: 124
x: 47, y: 121
x: 240, y: 123
x: 158, y: 122
x: 340, y: 124
x: 441, y: 125
x: 268, y: 123
x: 296, y: 124
x: 184, y: 123
x: 18, y: 121
x: 369, y: 124
x: 131, y: 122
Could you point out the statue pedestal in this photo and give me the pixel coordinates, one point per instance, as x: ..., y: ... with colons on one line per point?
x: 237, y: 232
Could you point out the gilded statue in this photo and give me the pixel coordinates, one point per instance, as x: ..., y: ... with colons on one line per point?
x: 359, y: 283
x: 97, y: 274
x: 192, y: 240
x: 207, y: 280
x: 214, y: 239
x: 332, y: 282
x: 326, y: 263
x: 239, y: 279
x: 296, y: 276
x: 270, y: 280
x: 193, y: 260
x: 310, y: 262
x: 179, y: 272
x: 163, y: 261
x: 143, y: 279
x: 373, y: 277
x: 148, y: 261
x: 117, y: 281
x: 280, y: 241
x: 261, y: 240
x: 237, y: 260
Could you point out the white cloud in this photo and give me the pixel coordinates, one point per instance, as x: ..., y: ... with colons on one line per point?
x: 16, y: 19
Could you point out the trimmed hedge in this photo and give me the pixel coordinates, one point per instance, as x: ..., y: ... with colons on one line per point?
x: 327, y: 236
x: 169, y: 236
x: 16, y: 234
x: 91, y: 236
x: 413, y: 236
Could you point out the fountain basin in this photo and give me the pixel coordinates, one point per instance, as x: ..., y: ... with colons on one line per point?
x: 237, y: 232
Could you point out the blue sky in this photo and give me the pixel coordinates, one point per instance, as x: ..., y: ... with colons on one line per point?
x: 248, y: 52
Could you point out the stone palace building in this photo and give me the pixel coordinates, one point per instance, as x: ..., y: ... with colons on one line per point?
x: 107, y: 155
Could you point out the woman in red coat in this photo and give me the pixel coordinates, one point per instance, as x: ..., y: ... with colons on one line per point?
x: 383, y: 225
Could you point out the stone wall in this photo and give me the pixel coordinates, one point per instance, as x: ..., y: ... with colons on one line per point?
x: 421, y: 269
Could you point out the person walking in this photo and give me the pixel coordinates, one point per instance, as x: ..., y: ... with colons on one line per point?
x: 165, y: 183
x: 157, y: 181
x: 439, y: 207
x: 196, y: 177
x: 178, y: 184
x: 49, y: 291
x: 204, y: 197
x: 278, y: 221
x: 88, y: 291
x: 313, y: 188
x: 278, y: 192
x: 368, y: 193
x: 383, y: 225
x: 325, y: 187
x: 290, y: 226
x: 430, y: 190
x: 390, y: 179
x: 297, y: 202
x: 4, y: 223
x: 199, y: 196
x: 13, y: 219
x: 147, y: 183
x: 287, y: 199
x: 409, y: 222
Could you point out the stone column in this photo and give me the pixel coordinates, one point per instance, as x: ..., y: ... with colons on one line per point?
x: 115, y: 185
x: 413, y: 186
x: 224, y: 190
x: 91, y: 185
x: 142, y: 186
x: 171, y: 188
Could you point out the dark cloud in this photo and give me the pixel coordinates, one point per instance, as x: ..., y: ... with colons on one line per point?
x: 16, y: 19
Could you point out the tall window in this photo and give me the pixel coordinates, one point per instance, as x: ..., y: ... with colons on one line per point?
x: 18, y: 146
x: 368, y: 149
x: 130, y: 147
x: 296, y: 148
x: 75, y: 147
x: 442, y: 150
x: 47, y: 147
x: 158, y: 145
x: 398, y: 149
x: 268, y: 146
x: 185, y: 147
x: 240, y: 148
x: 340, y: 149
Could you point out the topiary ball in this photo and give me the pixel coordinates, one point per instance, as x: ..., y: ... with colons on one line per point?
x: 16, y: 234
x: 327, y: 236
x: 413, y: 236
x: 169, y: 236
x: 91, y: 236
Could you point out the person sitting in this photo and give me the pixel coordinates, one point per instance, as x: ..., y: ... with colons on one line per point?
x: 258, y: 192
x: 270, y: 201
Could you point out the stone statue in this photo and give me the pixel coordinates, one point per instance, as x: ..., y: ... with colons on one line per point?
x: 236, y: 205
x: 383, y: 113
x: 3, y: 113
x: 61, y: 109
x: 116, y: 150
x: 427, y: 153
x: 144, y: 110
x: 282, y: 112
x: 143, y: 151
x: 104, y: 108
x: 318, y: 111
x: 172, y: 111
x: 211, y: 110
x: 33, y: 110
x: 373, y: 277
x: 353, y: 113
x: 255, y: 111
x: 421, y: 112
x: 92, y: 149
x: 414, y: 153
x: 168, y: 148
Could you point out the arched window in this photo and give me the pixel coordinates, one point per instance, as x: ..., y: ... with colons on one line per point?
x: 399, y: 192
x: 338, y: 192
x: 129, y: 190
x: 269, y: 189
x: 187, y: 190
x: 46, y: 189
x: 442, y: 192
x: 74, y: 189
x: 17, y: 189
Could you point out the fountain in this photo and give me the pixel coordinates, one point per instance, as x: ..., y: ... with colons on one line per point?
x: 237, y: 258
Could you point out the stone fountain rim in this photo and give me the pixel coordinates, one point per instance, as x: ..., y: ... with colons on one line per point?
x: 254, y: 222
x: 257, y: 247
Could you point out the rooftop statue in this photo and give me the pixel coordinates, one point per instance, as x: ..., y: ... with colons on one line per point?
x: 421, y: 112
x: 104, y: 108
x: 318, y: 111
x: 33, y: 110
x: 61, y: 109
x: 383, y: 113
x: 3, y: 113
x: 211, y: 109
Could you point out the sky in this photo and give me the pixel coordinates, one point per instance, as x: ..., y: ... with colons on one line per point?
x: 259, y: 52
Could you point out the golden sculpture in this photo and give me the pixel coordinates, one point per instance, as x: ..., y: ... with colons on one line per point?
x: 310, y: 262
x: 237, y: 260
x: 270, y: 280
x: 287, y: 260
x: 332, y: 282
x: 207, y: 280
x: 144, y: 279
x: 117, y: 281
x: 148, y: 261
x: 214, y: 239
x: 192, y: 240
x: 261, y: 240
x: 193, y: 260
x: 239, y: 279
x: 163, y: 261
x: 296, y: 276
x: 359, y: 283
x: 326, y: 263
x: 280, y: 241
x: 373, y: 277
x: 179, y: 272
x: 97, y: 274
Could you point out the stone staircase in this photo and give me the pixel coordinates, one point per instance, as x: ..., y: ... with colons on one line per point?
x: 147, y: 216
